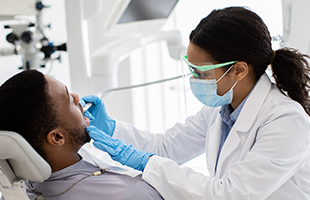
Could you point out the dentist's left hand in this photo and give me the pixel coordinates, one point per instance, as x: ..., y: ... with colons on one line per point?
x: 98, y: 115
x: 118, y: 150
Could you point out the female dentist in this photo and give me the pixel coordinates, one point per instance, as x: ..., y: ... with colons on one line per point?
x: 255, y: 133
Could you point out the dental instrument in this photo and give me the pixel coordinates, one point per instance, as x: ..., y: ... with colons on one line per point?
x: 100, y: 94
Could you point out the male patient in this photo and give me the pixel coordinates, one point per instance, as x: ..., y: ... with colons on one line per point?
x: 41, y: 109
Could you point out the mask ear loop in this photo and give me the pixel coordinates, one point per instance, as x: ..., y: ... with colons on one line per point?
x: 184, y: 84
x: 224, y: 73
x: 234, y: 85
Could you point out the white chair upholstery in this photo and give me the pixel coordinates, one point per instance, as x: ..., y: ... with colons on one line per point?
x: 19, y: 162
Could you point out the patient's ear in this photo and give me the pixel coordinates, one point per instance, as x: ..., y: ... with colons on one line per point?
x: 55, y: 137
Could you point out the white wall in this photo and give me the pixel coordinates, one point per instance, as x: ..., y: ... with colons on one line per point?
x: 297, y: 30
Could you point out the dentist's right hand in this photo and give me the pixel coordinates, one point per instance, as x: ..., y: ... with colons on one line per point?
x: 98, y: 115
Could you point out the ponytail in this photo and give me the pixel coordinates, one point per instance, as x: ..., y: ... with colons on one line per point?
x: 291, y: 72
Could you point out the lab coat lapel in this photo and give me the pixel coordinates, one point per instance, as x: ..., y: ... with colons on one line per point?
x: 213, y: 144
x: 253, y: 104
x: 240, y: 131
x: 231, y: 143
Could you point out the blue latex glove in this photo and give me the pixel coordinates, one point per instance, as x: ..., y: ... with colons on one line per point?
x: 97, y: 114
x: 118, y: 150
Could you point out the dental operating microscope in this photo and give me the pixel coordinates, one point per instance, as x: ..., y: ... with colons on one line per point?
x: 28, y: 39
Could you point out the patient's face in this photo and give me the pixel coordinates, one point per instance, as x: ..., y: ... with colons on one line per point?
x: 70, y: 112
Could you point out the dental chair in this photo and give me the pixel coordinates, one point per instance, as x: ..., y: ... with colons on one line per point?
x: 19, y: 162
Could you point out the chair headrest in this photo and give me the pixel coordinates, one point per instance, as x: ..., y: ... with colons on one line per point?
x: 25, y: 162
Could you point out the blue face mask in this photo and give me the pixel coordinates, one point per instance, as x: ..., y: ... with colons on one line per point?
x: 206, y: 91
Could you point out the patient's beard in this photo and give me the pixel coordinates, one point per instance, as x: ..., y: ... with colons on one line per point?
x: 79, y: 136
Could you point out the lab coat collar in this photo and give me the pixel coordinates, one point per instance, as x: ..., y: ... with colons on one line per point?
x: 245, y: 120
x: 253, y: 104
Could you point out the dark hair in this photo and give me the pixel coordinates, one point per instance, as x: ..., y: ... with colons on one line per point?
x: 26, y: 108
x: 238, y: 34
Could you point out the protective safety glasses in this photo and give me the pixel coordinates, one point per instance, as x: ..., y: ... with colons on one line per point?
x: 204, y: 70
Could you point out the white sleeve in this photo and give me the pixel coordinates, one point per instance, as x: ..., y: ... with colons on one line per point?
x: 181, y: 143
x: 278, y: 153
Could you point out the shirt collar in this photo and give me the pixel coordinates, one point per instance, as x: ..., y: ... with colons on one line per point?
x: 73, y: 167
x: 234, y: 115
x: 228, y: 115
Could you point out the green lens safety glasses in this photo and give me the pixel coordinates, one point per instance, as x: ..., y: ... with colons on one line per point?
x: 204, y: 67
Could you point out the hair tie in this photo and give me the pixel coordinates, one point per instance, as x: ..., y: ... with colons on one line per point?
x: 272, y: 57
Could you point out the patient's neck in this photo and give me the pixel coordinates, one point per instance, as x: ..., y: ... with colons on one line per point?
x: 61, y: 159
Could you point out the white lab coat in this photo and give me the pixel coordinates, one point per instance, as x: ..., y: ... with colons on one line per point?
x: 265, y: 156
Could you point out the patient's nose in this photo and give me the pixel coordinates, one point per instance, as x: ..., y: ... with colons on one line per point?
x: 76, y: 98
